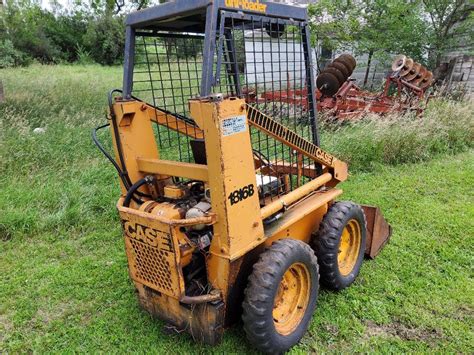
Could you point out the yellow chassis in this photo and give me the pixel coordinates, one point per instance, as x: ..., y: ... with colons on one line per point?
x: 154, y: 237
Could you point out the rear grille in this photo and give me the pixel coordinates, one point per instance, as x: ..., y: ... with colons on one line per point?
x: 151, y: 265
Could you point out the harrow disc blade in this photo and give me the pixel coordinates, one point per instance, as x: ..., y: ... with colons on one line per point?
x: 407, y: 67
x: 399, y: 62
x: 340, y: 77
x: 342, y: 68
x: 421, y: 74
x: 413, y: 72
x: 346, y: 63
x: 350, y: 59
x: 427, y: 80
x: 327, y: 83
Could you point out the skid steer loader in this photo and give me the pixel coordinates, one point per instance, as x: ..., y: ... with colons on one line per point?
x: 229, y: 205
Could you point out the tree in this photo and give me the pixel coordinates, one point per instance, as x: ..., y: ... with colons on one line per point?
x: 105, y: 39
x: 450, y: 23
x: 333, y: 24
x: 379, y: 28
x: 390, y: 27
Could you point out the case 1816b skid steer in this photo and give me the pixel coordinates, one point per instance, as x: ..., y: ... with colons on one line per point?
x: 228, y: 202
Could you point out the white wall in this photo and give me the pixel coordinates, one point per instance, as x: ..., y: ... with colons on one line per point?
x: 273, y: 63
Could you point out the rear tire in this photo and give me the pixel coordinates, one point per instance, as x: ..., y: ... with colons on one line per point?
x: 281, y: 296
x: 339, y: 244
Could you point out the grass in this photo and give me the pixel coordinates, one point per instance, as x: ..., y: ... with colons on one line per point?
x: 446, y: 127
x: 65, y: 286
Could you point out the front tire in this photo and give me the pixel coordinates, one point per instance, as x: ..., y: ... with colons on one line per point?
x: 281, y: 296
x: 339, y: 244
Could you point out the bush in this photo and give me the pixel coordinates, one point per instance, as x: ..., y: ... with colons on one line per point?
x: 62, y: 36
x: 27, y: 30
x: 105, y: 39
x: 11, y: 57
x: 83, y: 56
x: 65, y: 34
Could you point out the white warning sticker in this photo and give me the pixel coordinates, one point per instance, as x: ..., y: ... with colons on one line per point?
x: 233, y: 125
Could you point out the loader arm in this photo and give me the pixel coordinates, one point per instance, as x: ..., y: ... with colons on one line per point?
x: 281, y: 133
x: 265, y: 123
x: 175, y: 122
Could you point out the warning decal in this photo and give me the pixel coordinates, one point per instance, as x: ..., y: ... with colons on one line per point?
x: 233, y: 125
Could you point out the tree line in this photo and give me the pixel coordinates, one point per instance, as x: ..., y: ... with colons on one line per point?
x: 93, y: 30
x: 425, y: 30
x: 86, y: 32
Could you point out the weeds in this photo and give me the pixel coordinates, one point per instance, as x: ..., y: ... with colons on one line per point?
x: 445, y: 128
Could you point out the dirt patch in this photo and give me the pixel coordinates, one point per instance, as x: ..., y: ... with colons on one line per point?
x: 464, y: 313
x: 331, y: 328
x: 6, y: 326
x: 49, y: 314
x: 402, y: 331
x: 5, y: 234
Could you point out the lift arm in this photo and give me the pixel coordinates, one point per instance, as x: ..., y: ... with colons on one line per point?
x: 278, y: 131
x: 265, y: 123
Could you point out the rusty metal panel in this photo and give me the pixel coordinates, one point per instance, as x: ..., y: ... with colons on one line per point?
x: 378, y: 231
x: 204, y: 322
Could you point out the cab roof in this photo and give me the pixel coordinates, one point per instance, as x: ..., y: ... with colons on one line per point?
x: 190, y: 16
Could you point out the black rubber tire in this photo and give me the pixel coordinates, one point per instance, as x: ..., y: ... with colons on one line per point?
x: 262, y: 287
x: 275, y: 30
x: 326, y: 241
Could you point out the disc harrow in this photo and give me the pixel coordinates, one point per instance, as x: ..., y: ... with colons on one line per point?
x: 338, y: 95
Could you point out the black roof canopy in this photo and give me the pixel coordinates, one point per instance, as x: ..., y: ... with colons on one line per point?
x: 190, y: 15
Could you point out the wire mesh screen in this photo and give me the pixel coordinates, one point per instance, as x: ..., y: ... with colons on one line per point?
x: 259, y: 59
x: 167, y: 73
x: 263, y: 61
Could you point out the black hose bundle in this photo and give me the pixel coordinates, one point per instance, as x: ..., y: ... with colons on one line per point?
x: 121, y: 170
x: 134, y: 189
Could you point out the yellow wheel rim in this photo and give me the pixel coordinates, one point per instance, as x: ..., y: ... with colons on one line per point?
x: 291, y: 299
x: 349, y: 247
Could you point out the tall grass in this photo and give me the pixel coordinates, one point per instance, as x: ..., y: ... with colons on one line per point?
x: 446, y: 127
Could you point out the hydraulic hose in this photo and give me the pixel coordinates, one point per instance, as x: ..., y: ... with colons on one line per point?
x: 107, y: 155
x: 134, y: 189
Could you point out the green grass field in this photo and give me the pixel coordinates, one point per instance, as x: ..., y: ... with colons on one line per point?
x: 64, y: 284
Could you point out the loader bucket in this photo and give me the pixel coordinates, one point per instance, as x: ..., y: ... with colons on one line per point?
x: 378, y: 231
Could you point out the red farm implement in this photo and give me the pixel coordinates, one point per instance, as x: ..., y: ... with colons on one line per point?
x: 338, y: 95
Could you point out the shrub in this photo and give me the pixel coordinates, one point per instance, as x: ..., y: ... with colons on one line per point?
x: 27, y: 30
x: 105, y: 39
x: 64, y: 31
x: 83, y: 56
x: 10, y: 57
